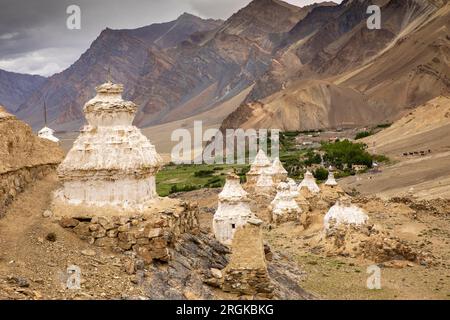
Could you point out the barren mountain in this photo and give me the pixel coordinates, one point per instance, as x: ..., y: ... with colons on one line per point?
x: 172, y: 70
x: 125, y: 55
x: 418, y: 142
x: 333, y: 71
x: 16, y: 88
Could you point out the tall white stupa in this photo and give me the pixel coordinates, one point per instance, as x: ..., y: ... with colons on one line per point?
x: 111, y: 163
x: 260, y: 164
x: 309, y: 182
x: 233, y: 210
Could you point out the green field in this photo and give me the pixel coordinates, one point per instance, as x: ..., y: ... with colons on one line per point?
x: 177, y: 178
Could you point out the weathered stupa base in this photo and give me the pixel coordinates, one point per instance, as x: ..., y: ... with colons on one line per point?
x: 149, y: 233
x: 247, y: 271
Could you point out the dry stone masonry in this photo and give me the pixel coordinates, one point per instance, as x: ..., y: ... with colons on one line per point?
x: 247, y: 272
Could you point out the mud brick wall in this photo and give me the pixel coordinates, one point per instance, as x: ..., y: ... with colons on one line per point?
x: 14, y: 182
x: 247, y: 271
x: 149, y: 235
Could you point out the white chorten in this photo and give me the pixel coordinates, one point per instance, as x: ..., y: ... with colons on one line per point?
x: 293, y: 188
x: 233, y: 210
x: 279, y: 172
x: 284, y: 206
x: 111, y: 163
x: 344, y: 212
x: 265, y: 183
x: 260, y: 163
x: 309, y: 182
x: 47, y: 133
x: 331, y: 181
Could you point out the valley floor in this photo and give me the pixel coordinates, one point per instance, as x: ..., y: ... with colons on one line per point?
x: 343, y: 277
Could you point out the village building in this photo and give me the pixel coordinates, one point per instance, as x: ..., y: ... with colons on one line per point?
x: 111, y: 162
x: 344, y: 213
x: 284, y: 207
x: 233, y: 210
x: 309, y: 183
x: 279, y: 172
x: 260, y: 163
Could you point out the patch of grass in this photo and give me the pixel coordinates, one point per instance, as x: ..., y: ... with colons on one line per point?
x: 363, y: 134
x: 182, y: 178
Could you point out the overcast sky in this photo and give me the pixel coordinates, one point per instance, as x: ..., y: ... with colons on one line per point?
x: 34, y: 38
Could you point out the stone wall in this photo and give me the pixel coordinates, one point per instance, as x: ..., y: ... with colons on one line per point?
x: 247, y: 271
x: 148, y: 234
x: 14, y: 182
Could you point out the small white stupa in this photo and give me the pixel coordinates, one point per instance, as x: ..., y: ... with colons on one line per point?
x: 293, y: 187
x: 284, y: 207
x: 309, y: 182
x: 279, y: 172
x: 260, y: 163
x: 344, y: 212
x: 331, y: 181
x: 47, y: 133
x: 265, y: 183
x: 111, y: 164
x: 233, y: 210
